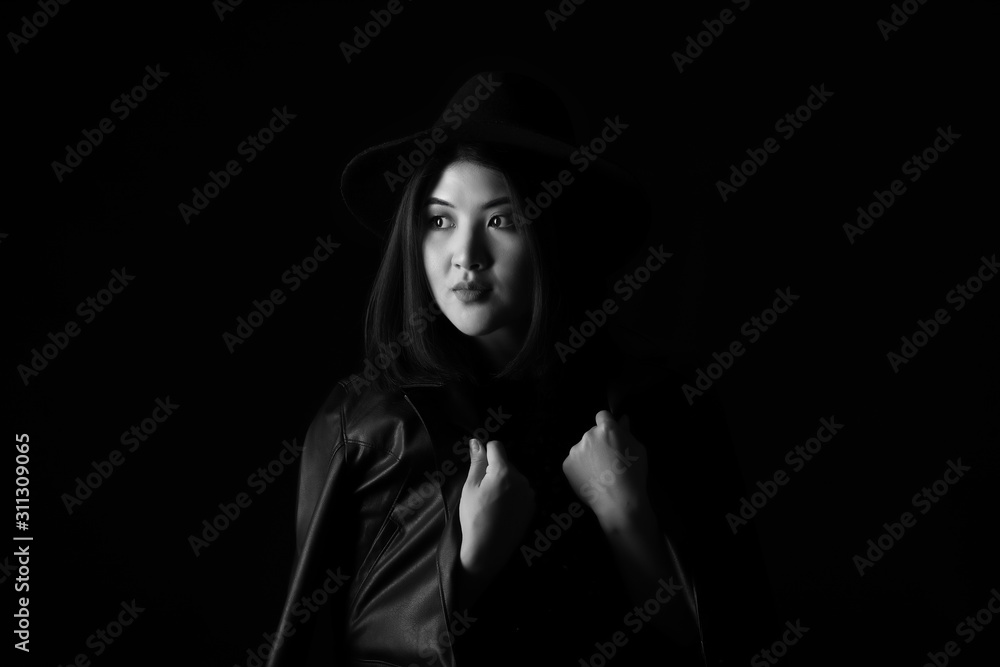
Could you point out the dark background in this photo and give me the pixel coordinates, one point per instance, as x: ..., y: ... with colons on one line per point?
x: 826, y: 357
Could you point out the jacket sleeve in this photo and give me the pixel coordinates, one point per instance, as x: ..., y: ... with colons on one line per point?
x: 324, y: 441
x: 644, y: 415
x: 695, y: 480
x: 318, y: 588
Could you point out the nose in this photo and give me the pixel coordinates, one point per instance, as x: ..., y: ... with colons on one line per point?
x: 469, y: 251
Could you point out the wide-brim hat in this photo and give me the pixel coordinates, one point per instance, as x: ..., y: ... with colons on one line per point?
x: 597, y: 212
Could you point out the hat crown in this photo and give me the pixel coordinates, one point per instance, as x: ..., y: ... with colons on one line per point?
x: 547, y: 130
x: 508, y: 99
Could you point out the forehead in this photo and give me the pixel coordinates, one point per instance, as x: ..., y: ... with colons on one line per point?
x: 468, y: 182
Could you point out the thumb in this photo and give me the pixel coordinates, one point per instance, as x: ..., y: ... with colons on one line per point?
x: 477, y: 465
x: 604, y: 417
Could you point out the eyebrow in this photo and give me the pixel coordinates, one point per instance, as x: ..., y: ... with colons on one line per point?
x: 489, y: 204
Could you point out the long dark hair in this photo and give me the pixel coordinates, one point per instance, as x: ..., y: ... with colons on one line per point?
x: 407, y: 338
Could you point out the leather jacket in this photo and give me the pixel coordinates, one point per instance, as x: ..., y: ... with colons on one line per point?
x: 378, y: 535
x: 362, y: 452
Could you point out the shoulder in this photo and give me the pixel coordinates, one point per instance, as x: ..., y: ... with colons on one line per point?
x: 357, y: 433
x: 360, y: 416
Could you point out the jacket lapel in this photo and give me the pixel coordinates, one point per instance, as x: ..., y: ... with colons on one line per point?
x: 450, y: 417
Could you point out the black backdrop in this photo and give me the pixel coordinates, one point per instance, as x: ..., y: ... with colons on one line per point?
x: 162, y: 335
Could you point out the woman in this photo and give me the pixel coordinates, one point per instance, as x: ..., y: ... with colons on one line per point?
x: 536, y: 540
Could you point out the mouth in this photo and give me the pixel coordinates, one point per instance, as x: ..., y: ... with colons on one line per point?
x: 468, y: 292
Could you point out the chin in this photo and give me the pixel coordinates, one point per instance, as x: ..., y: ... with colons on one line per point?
x: 471, y: 320
x: 474, y: 326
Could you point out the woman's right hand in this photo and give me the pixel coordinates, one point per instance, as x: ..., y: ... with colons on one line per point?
x: 496, y: 507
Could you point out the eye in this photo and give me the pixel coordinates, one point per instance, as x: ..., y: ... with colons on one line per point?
x: 501, y: 221
x: 438, y: 222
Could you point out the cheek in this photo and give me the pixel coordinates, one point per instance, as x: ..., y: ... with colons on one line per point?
x: 517, y: 273
x: 432, y: 265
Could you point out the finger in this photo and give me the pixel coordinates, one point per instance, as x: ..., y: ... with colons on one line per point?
x: 604, y: 416
x: 477, y: 464
x: 625, y: 423
x: 496, y: 455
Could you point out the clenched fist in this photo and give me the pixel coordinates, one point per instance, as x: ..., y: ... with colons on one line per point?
x: 607, y: 469
x: 496, y: 507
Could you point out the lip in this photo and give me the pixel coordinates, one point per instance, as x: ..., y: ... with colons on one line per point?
x: 476, y: 285
x: 471, y: 295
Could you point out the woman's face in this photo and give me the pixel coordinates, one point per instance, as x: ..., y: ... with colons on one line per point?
x: 476, y: 260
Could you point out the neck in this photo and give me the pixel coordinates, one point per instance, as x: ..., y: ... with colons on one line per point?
x: 496, y: 349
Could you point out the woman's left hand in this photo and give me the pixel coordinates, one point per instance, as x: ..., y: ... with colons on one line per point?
x: 607, y: 469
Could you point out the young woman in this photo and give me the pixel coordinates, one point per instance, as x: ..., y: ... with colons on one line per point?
x: 475, y: 495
